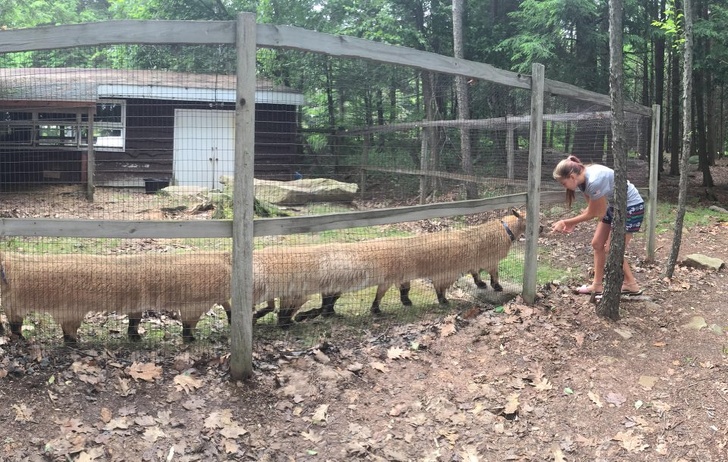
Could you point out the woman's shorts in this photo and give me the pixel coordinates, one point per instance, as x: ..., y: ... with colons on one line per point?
x: 633, y: 221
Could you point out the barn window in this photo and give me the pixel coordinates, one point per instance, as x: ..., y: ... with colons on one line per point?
x: 109, y: 125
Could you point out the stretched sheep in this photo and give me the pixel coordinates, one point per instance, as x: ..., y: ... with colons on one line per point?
x: 442, y: 257
x: 70, y: 286
x: 292, y: 273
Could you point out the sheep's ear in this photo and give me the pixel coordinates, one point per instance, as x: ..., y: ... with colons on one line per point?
x: 516, y: 213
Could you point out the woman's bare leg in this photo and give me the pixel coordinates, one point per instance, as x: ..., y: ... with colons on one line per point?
x: 599, y: 244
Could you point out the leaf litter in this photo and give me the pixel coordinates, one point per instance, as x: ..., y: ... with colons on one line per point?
x: 478, y: 386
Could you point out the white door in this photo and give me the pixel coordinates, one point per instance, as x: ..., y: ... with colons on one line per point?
x: 204, y: 147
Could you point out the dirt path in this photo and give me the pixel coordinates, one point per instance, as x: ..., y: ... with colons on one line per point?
x: 544, y: 382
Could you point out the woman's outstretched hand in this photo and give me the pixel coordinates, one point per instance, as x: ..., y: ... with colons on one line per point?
x: 561, y: 227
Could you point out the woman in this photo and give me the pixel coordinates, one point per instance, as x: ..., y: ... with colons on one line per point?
x: 597, y: 183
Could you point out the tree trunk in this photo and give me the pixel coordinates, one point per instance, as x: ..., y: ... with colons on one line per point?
x: 430, y: 137
x: 687, y: 86
x: 660, y: 83
x: 675, y: 115
x: 461, y: 86
x: 609, y: 305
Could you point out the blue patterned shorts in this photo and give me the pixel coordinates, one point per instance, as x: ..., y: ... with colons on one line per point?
x: 633, y: 221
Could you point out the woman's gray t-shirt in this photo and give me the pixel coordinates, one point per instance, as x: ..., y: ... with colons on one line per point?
x: 600, y: 183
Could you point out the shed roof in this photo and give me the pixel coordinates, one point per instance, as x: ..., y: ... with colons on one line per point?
x: 35, y: 87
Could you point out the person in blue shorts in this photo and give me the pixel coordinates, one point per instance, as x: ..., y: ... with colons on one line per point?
x: 597, y: 183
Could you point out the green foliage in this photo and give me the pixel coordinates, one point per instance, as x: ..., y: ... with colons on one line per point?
x: 694, y: 216
x: 672, y: 25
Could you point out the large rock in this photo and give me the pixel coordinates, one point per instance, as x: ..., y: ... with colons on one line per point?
x: 304, y: 191
x: 697, y: 260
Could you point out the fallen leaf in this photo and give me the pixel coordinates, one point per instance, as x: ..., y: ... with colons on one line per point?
x: 398, y: 353
x: 321, y: 357
x: 319, y: 416
x: 23, y: 413
x: 511, y: 404
x: 579, y: 337
x: 447, y: 330
x: 152, y: 434
x: 187, y: 383
x: 219, y: 419
x: 355, y: 367
x: 145, y: 421
x: 231, y: 447
x: 381, y: 367
x: 233, y: 431
x: 615, y: 398
x: 630, y: 442
x: 595, y: 399
x: 647, y: 382
x: 124, y: 387
x: 148, y: 372
x: 106, y: 415
x: 117, y: 424
x: 398, y: 410
x: 312, y: 436
x: 543, y: 385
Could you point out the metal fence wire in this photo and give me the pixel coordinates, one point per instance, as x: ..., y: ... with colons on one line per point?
x: 147, y: 132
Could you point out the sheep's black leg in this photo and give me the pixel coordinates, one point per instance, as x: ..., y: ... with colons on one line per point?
x: 263, y: 311
x: 441, y: 298
x: 187, y: 336
x: 328, y: 302
x: 478, y: 280
x: 132, y: 332
x: 494, y: 282
x: 16, y: 329
x: 404, y: 289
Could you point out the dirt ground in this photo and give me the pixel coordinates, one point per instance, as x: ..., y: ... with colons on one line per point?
x: 526, y: 383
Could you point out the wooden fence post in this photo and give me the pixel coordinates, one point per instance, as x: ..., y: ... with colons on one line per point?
x: 533, y: 205
x: 241, y: 328
x: 654, y: 171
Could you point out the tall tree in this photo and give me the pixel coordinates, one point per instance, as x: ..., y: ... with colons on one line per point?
x: 614, y: 275
x: 463, y: 101
x: 687, y: 90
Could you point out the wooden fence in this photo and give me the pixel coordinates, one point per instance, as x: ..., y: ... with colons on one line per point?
x: 247, y: 36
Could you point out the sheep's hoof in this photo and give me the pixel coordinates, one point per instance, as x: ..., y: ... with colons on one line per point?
x: 481, y: 284
x: 497, y: 287
x: 134, y: 336
x: 443, y: 301
x: 375, y: 309
x: 285, y: 319
x: 305, y: 315
x: 69, y: 339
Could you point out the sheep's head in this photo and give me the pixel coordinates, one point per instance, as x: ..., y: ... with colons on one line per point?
x: 516, y: 222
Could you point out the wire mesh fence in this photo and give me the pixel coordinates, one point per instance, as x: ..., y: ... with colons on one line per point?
x: 147, y: 133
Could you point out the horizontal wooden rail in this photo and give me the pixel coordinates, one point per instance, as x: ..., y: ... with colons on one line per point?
x: 173, y: 229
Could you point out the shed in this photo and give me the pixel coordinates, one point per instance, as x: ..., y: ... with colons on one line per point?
x: 145, y: 124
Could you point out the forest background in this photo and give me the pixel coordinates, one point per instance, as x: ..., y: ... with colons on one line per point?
x: 571, y: 37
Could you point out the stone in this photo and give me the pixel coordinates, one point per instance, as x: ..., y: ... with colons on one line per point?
x: 304, y: 191
x: 701, y: 261
x: 715, y: 208
x: 185, y: 190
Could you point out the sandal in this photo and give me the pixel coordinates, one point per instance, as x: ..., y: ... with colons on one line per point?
x: 626, y: 291
x: 587, y: 290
